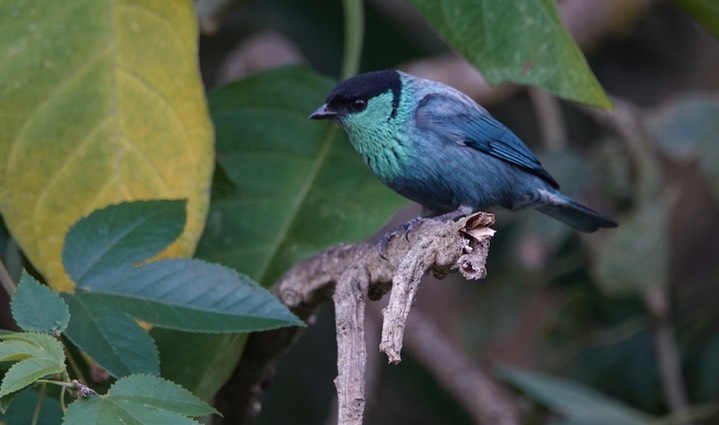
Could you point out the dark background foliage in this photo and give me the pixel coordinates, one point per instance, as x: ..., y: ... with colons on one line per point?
x: 543, y: 306
x: 591, y: 309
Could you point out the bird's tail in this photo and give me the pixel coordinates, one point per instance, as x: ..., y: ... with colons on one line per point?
x: 569, y: 211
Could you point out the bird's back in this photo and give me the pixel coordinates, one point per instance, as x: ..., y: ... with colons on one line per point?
x: 461, y: 155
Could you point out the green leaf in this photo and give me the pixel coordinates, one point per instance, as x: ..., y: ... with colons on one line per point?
x: 636, y: 259
x: 687, y: 130
x: 139, y: 400
x: 5, y: 402
x: 180, y: 294
x: 577, y: 403
x: 102, y: 102
x: 111, y: 338
x: 160, y: 394
x: 521, y: 41
x: 109, y: 411
x: 295, y: 186
x: 39, y: 355
x: 31, y: 344
x: 25, y: 372
x: 35, y: 307
x: 704, y: 378
x: 706, y: 12
x: 11, y: 351
x: 190, y: 295
x: 23, y: 409
x: 120, y: 234
x: 204, y: 364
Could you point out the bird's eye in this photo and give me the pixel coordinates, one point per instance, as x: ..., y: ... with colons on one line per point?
x: 358, y: 105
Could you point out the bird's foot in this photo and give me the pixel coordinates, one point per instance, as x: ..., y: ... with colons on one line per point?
x: 412, y: 224
x: 402, y: 228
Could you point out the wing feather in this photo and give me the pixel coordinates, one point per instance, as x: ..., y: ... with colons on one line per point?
x: 457, y: 117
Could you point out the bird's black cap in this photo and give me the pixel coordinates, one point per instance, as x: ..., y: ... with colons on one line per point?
x: 362, y: 87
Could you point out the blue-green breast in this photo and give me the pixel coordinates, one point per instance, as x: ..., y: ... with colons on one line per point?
x: 379, y: 134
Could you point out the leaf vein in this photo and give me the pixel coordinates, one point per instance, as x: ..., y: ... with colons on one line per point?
x: 299, y: 199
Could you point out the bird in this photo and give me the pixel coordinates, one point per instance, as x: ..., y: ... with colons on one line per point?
x: 436, y: 146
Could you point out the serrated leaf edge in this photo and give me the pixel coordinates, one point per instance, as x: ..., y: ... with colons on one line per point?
x: 60, y: 326
x: 182, y: 389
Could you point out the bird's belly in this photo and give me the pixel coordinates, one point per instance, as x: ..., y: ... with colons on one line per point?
x: 445, y: 184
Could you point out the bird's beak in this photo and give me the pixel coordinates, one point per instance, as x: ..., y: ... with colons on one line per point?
x: 323, y: 113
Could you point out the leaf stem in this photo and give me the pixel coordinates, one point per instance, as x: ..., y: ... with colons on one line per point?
x: 354, y: 33
x: 62, y: 400
x: 38, y: 405
x: 69, y: 385
x: 74, y: 365
x: 6, y: 280
x: 551, y: 122
x: 79, y: 389
x: 65, y: 385
x: 667, y: 355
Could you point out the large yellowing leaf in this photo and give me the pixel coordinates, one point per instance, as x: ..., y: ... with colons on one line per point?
x: 100, y: 102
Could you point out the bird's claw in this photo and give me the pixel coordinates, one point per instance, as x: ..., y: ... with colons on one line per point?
x: 402, y: 228
x: 412, y: 224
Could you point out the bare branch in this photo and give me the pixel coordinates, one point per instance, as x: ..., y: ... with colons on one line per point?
x: 350, y: 300
x: 667, y: 353
x: 459, y: 375
x: 6, y: 280
x: 431, y: 247
x: 433, y: 250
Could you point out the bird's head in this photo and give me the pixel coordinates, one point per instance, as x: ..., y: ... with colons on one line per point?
x: 363, y: 103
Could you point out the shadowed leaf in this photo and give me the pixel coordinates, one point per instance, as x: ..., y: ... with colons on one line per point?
x: 111, y: 338
x: 121, y: 234
x: 521, y: 41
x: 688, y: 130
x: 577, y: 403
x: 706, y: 12
x: 206, y: 362
x: 190, y: 295
x: 636, y: 259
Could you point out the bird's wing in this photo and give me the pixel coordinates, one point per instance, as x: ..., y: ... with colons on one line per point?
x: 456, y: 117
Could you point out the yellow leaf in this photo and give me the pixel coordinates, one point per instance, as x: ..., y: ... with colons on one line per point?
x: 100, y: 102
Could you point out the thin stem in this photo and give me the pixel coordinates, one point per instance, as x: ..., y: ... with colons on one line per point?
x: 459, y: 374
x: 62, y: 400
x: 73, y: 365
x: 550, y: 119
x: 354, y: 33
x: 69, y: 385
x: 667, y: 354
x: 38, y: 405
x: 671, y: 377
x: 6, y: 280
x: 79, y: 389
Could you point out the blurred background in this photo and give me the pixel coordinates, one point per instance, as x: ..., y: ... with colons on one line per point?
x: 631, y: 313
